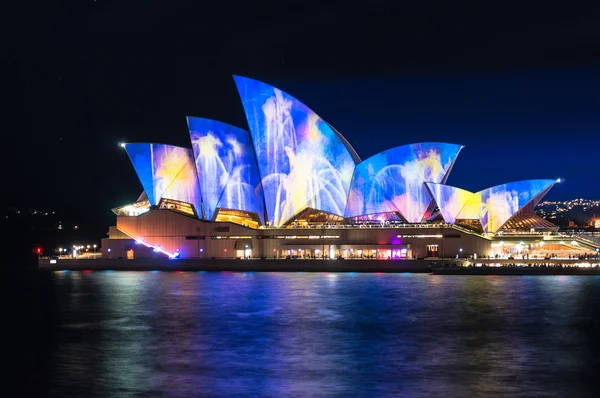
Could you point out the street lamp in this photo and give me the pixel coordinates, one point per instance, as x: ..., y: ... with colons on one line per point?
x: 198, y: 240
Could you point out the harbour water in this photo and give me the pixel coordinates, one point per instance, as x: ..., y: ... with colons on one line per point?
x: 179, y: 334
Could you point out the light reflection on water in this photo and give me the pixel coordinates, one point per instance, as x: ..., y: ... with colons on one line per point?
x: 313, y: 334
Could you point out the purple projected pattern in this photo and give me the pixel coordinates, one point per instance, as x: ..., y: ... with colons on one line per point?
x: 393, y: 180
x: 302, y: 161
x: 380, y: 217
x: 226, y: 165
x: 166, y: 171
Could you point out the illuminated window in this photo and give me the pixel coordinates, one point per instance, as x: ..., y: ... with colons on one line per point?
x: 244, y: 218
x: 307, y: 237
x: 175, y: 205
x: 432, y: 250
x: 419, y: 236
x: 231, y: 237
x: 134, y: 209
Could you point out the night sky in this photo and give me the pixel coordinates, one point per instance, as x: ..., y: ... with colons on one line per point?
x: 518, y: 86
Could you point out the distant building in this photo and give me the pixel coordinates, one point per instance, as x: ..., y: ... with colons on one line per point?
x: 294, y: 186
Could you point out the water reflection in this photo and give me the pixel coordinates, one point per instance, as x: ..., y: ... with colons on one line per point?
x: 309, y: 334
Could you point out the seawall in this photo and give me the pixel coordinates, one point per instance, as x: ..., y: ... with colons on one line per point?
x: 269, y: 265
x: 531, y: 267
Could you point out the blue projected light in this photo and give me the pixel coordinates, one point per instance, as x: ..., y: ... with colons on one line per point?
x: 303, y: 163
x: 393, y: 180
x: 226, y: 166
x: 141, y: 158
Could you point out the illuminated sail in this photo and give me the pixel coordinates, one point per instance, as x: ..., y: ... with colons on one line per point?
x: 165, y: 171
x: 226, y: 166
x: 394, y: 180
x: 303, y: 162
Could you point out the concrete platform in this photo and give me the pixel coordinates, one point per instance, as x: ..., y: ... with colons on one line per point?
x: 516, y: 270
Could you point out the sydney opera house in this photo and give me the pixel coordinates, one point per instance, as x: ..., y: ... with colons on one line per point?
x: 293, y: 187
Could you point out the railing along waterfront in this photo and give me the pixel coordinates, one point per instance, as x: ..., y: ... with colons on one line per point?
x: 592, y: 242
x: 384, y: 226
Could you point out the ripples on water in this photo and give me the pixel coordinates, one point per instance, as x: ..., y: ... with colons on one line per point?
x: 305, y: 334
